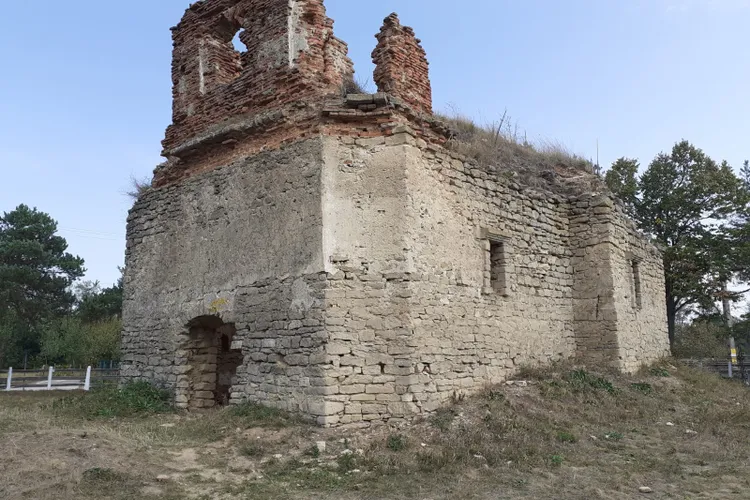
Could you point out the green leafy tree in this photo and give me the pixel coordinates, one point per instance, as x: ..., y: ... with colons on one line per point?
x: 101, y: 305
x: 72, y: 341
x: 36, y: 273
x: 745, y: 174
x: 740, y: 230
x: 703, y: 338
x: 686, y: 202
x: 91, y: 332
x: 10, y: 334
x: 621, y: 179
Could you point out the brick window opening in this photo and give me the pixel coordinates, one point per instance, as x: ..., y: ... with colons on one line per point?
x: 223, y: 56
x: 237, y: 42
x: 498, y: 267
x: 241, y: 50
x: 636, y: 267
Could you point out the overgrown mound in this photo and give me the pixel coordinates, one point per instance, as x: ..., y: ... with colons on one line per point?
x: 669, y: 429
x: 500, y: 148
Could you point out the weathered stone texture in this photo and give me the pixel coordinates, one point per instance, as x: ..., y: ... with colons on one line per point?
x: 329, y: 255
x: 412, y: 317
x: 242, y: 243
x: 639, y: 295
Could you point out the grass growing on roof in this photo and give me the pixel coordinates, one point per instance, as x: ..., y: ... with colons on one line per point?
x: 502, y: 145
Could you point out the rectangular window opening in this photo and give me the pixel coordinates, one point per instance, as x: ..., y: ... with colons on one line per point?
x: 498, y: 264
x: 637, y: 283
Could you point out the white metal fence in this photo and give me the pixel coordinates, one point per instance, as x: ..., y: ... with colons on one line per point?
x: 50, y: 379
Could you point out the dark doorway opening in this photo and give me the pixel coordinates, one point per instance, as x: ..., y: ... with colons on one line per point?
x: 213, y: 362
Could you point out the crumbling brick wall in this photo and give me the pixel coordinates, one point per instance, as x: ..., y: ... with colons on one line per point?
x: 292, y: 55
x: 401, y: 66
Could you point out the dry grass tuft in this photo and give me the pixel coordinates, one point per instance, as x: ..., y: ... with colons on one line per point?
x: 138, y: 187
x: 356, y: 85
x: 502, y: 147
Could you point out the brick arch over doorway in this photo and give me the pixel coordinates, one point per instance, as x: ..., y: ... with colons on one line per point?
x: 211, y: 363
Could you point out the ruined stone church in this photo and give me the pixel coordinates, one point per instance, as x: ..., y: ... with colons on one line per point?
x: 328, y: 252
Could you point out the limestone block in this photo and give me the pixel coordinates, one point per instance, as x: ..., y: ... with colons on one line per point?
x: 325, y: 408
x: 369, y: 408
x: 352, y: 361
x: 328, y: 420
x: 338, y: 349
x: 352, y: 389
x: 388, y: 388
x: 353, y: 408
x: 403, y: 409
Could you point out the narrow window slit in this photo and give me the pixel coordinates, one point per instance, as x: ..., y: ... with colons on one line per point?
x: 637, y: 284
x: 498, y: 263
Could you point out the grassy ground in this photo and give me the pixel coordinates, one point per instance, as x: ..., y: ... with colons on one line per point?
x: 562, y: 433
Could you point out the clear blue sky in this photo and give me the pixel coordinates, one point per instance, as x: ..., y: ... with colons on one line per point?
x: 85, y: 91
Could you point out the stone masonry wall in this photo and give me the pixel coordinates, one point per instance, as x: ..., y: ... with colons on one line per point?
x: 367, y: 311
x: 410, y: 321
x: 359, y: 276
x: 469, y: 332
x: 639, y: 295
x: 241, y: 243
x: 593, y: 287
x: 413, y: 317
x: 619, y: 293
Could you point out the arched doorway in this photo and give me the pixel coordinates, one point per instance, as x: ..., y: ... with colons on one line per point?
x: 213, y: 362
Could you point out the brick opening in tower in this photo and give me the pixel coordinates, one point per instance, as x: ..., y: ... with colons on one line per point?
x: 223, y: 56
x: 212, y: 363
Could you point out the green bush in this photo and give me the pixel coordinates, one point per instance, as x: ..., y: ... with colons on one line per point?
x: 443, y: 418
x: 566, y: 437
x: 396, y: 442
x: 702, y: 339
x: 72, y: 341
x: 614, y: 436
x: 134, y: 399
x: 581, y: 380
x: 642, y: 387
x: 658, y: 371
